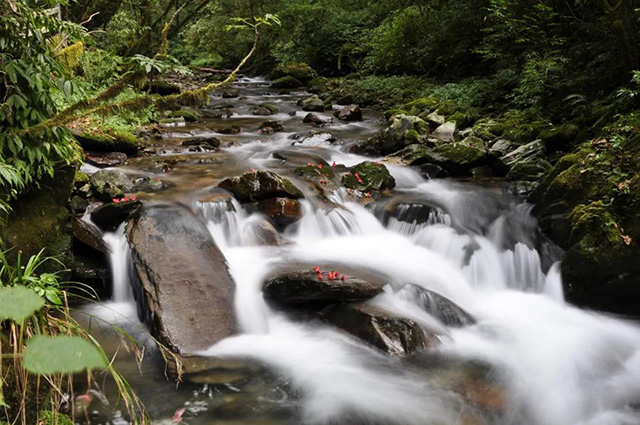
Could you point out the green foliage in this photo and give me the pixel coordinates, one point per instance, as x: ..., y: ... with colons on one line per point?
x: 30, y: 77
x: 32, y: 275
x: 73, y: 354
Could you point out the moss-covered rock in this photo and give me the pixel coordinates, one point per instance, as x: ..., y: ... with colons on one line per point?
x: 109, y: 184
x: 286, y: 83
x: 369, y: 176
x: 255, y: 186
x: 402, y: 131
x: 107, y: 140
x: 162, y: 88
x: 312, y: 104
x: 318, y: 85
x: 560, y: 138
x: 269, y: 107
x: 185, y: 113
x: 457, y: 158
x: 298, y: 70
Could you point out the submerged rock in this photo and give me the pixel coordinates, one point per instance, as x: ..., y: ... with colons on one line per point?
x: 393, y: 334
x: 185, y: 291
x: 274, y: 125
x: 439, y: 306
x: 349, y: 113
x: 307, y: 288
x: 109, y: 184
x: 255, y: 186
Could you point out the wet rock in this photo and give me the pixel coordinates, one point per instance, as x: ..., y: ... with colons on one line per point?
x: 433, y: 171
x: 211, y: 143
x: 312, y: 104
x: 259, y: 185
x: 109, y: 184
x: 403, y: 130
x: 105, y: 159
x: 312, y: 118
x: 266, y: 234
x: 525, y: 153
x: 91, y: 270
x: 185, y: 291
x: 259, y: 110
x: 457, y: 158
x: 349, y: 113
x: 368, y: 176
x: 286, y: 83
x: 446, y: 131
x: 88, y: 234
x: 529, y: 170
x: 234, y: 129
x: 395, y: 335
x: 110, y: 215
x: 439, y: 307
x: 78, y: 205
x: 282, y: 211
x: 216, y: 113
x: 306, y: 288
x: 413, y: 213
x: 316, y: 138
x: 411, y: 155
x: 147, y: 184
x: 230, y: 94
x: 270, y: 107
x: 275, y: 125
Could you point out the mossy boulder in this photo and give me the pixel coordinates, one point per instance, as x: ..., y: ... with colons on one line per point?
x: 162, y: 88
x: 318, y: 85
x: 369, y: 176
x: 187, y: 114
x: 457, y: 158
x: 70, y: 56
x: 286, y: 83
x: 312, y: 104
x: 255, y: 186
x: 107, y: 140
x: 402, y: 131
x: 109, y: 184
x: 298, y: 70
x: 559, y: 138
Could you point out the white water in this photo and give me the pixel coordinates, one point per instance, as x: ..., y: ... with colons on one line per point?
x: 559, y: 365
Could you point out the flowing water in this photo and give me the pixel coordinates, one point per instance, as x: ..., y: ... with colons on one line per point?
x: 529, y: 359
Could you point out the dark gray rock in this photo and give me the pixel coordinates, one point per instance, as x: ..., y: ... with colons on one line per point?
x: 185, y: 291
x: 307, y: 288
x: 312, y: 104
x: 89, y: 235
x: 349, y: 113
x: 105, y: 159
x: 109, y: 184
x: 395, y: 335
x: 110, y: 215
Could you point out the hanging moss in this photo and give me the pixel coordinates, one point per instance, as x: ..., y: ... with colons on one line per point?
x: 69, y: 57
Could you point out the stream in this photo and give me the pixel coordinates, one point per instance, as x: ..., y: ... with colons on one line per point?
x: 529, y: 358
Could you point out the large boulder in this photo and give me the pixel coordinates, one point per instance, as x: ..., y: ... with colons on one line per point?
x: 368, y: 176
x: 402, y: 131
x: 110, y: 215
x: 286, y: 83
x: 528, y: 162
x: 298, y: 70
x: 312, y: 104
x: 446, y: 131
x: 349, y: 113
x: 382, y: 329
x: 457, y: 158
x: 281, y: 211
x: 185, y: 291
x: 315, y: 119
x: 256, y: 186
x: 109, y: 184
x: 307, y: 288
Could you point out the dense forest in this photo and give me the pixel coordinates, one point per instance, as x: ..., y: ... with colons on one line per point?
x: 543, y: 96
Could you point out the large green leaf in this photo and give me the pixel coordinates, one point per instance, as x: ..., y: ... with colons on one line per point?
x: 18, y: 303
x: 61, y: 354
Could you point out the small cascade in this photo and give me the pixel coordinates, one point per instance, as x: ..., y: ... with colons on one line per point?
x: 120, y: 264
